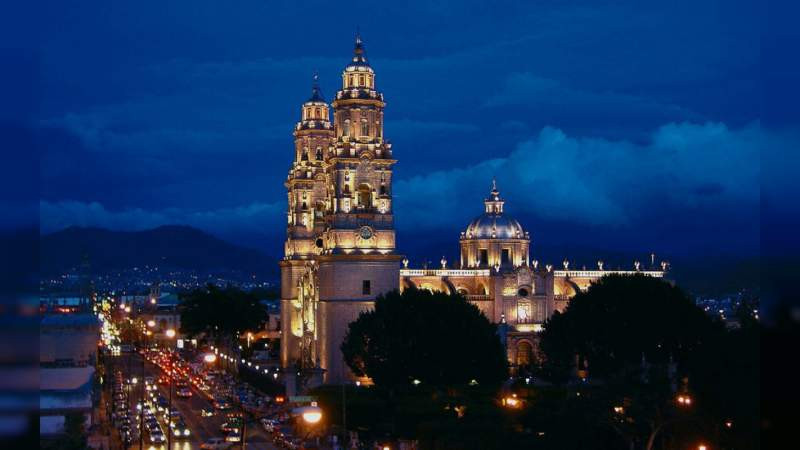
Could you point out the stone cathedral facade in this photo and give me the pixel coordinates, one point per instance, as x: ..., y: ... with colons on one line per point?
x: 340, y: 247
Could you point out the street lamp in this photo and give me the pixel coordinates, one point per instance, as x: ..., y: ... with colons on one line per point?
x: 312, y: 415
x: 170, y: 334
x: 210, y: 358
x: 151, y: 323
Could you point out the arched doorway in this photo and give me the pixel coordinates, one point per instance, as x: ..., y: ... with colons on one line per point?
x: 524, y: 354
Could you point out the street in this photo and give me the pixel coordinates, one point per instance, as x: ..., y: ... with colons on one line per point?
x: 201, y: 428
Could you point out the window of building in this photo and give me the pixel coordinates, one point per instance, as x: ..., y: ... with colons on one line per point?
x: 365, y: 287
x: 361, y: 81
x: 346, y: 128
x: 505, y: 256
x: 319, y: 154
x: 522, y: 292
x: 378, y: 129
x: 317, y: 113
x: 484, y: 257
x: 364, y: 128
x: 364, y: 196
x: 350, y: 81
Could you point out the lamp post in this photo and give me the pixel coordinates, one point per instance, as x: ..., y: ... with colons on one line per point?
x: 147, y: 333
x: 170, y: 333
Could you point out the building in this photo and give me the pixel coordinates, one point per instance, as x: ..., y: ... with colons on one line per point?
x: 340, y: 246
x: 495, y: 272
x: 68, y: 354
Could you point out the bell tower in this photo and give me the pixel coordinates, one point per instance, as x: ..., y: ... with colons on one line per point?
x: 361, y: 166
x: 358, y: 260
x: 308, y: 203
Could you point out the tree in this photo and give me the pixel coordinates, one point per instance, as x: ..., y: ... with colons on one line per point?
x: 639, y: 336
x: 220, y: 312
x: 439, y: 339
x: 621, y: 320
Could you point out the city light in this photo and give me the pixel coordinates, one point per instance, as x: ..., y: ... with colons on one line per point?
x: 151, y: 323
x: 684, y: 400
x: 210, y: 358
x: 702, y: 447
x: 170, y: 333
x: 312, y: 414
x: 512, y: 401
x: 127, y: 309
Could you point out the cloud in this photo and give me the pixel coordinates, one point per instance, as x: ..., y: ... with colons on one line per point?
x: 537, y: 93
x: 690, y: 171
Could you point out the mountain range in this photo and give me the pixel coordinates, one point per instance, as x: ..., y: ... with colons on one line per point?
x: 172, y: 246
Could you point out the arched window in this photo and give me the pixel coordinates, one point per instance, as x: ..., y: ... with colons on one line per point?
x: 350, y: 81
x: 524, y: 354
x: 346, y: 128
x: 319, y: 154
x: 378, y: 128
x: 364, y: 196
x: 364, y: 128
x: 361, y: 80
x: 318, y: 113
x: 304, y: 155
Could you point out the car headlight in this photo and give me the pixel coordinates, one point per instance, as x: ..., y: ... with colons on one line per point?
x: 186, y: 432
x: 177, y: 433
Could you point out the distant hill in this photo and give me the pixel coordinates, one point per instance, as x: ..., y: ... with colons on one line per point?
x: 170, y: 246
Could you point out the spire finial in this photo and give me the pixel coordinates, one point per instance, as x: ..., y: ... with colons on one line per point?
x: 316, y: 93
x: 494, y: 184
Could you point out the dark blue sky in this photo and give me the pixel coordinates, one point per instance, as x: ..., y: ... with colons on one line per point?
x: 626, y: 127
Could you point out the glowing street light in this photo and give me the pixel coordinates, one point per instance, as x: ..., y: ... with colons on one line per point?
x: 512, y: 401
x: 684, y: 400
x: 210, y: 358
x: 170, y: 333
x: 127, y: 309
x: 151, y: 323
x: 702, y: 447
x: 311, y: 414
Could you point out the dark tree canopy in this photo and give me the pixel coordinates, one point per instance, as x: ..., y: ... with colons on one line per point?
x: 220, y: 312
x: 619, y: 319
x: 439, y: 339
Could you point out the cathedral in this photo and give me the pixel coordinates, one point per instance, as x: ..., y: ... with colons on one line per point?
x: 340, y: 247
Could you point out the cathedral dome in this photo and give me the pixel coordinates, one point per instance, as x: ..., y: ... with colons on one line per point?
x: 493, y: 223
x: 359, y: 62
x: 494, y: 226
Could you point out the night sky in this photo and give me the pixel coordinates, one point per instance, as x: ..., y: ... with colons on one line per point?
x: 628, y: 128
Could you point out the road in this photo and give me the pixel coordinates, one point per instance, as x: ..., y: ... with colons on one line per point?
x: 202, y: 428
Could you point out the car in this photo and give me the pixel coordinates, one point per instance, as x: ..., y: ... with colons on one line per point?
x: 234, y: 436
x: 181, y: 431
x: 184, y: 392
x: 222, y: 404
x: 207, y: 412
x: 157, y: 437
x: 231, y: 425
x: 216, y: 444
